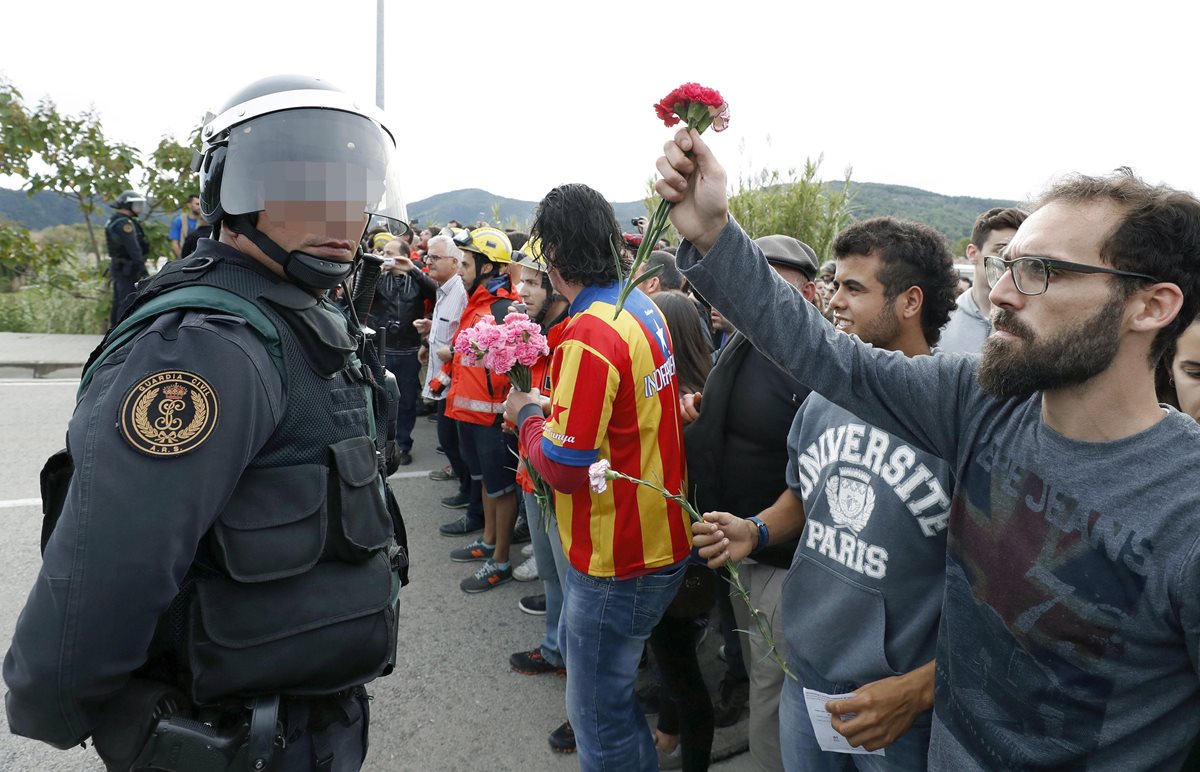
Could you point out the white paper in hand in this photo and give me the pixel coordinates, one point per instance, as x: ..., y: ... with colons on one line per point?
x: 822, y: 723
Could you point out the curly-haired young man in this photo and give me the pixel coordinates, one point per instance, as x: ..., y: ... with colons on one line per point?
x: 615, y: 397
x: 862, y: 599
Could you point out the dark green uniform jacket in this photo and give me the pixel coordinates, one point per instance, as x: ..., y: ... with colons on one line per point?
x: 226, y: 526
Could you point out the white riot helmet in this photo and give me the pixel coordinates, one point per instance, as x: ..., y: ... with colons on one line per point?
x: 299, y: 140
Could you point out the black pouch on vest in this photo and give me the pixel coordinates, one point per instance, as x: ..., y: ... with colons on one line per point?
x: 55, y: 480
x: 360, y: 524
x: 274, y: 525
x: 319, y: 632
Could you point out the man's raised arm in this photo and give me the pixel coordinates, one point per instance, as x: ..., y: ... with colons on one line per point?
x: 922, y: 399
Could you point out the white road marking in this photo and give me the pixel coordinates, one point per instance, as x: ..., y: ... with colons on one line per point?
x: 409, y: 475
x: 41, y: 382
x: 13, y: 503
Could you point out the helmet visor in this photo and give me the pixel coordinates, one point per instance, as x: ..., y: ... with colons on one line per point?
x: 313, y: 156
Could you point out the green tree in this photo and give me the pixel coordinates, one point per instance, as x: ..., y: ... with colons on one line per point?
x: 168, y: 180
x: 799, y: 205
x: 68, y: 155
x: 22, y: 258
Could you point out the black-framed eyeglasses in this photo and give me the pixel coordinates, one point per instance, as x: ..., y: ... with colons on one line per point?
x: 1031, y: 274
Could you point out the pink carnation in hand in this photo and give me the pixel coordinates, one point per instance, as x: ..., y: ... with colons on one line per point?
x: 529, y: 353
x: 499, y: 360
x: 598, y: 475
x: 487, y: 335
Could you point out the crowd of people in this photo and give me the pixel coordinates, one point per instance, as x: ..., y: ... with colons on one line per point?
x: 857, y: 609
x: 956, y: 505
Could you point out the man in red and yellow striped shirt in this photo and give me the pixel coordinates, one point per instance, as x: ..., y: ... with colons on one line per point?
x: 615, y: 397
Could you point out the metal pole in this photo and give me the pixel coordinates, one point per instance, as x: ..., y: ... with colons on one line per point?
x: 379, y: 54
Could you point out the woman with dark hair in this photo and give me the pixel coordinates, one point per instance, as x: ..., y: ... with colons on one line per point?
x: 1178, y: 375
x: 682, y: 692
x: 691, y: 342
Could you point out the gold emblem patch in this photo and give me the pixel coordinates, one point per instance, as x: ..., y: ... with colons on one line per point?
x: 127, y: 227
x: 168, y: 414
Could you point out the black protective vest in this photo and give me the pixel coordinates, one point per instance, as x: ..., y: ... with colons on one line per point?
x: 112, y: 241
x: 294, y: 590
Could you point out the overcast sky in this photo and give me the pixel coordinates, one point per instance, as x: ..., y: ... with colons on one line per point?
x: 961, y: 98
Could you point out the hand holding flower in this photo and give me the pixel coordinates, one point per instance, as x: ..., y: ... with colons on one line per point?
x: 517, y: 400
x: 712, y: 529
x: 699, y: 107
x: 722, y: 537
x: 695, y: 187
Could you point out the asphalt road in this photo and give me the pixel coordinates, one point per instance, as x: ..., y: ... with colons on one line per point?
x: 452, y: 704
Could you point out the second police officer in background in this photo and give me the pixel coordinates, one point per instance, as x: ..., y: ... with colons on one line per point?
x: 228, y: 552
x: 127, y: 249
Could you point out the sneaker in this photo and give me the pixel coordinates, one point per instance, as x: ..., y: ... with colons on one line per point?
x: 404, y: 458
x: 521, y: 531
x: 562, y: 740
x: 533, y: 663
x: 731, y: 703
x: 457, y: 501
x: 461, y: 527
x: 672, y: 760
x: 476, y: 550
x: 534, y: 605
x: 443, y: 474
x: 489, y: 575
x: 527, y: 550
x: 527, y: 571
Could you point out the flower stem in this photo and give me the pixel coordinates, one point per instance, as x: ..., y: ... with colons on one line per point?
x: 655, y: 228
x: 731, y: 566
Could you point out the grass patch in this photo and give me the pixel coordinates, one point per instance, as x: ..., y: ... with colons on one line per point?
x: 42, y: 309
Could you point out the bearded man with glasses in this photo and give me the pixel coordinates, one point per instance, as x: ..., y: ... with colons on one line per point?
x: 1070, y: 630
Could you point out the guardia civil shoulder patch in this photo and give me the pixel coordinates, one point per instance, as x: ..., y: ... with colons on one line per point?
x: 169, y: 413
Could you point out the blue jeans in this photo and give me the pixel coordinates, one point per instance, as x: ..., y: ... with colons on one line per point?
x: 407, y: 370
x: 605, y: 625
x: 801, y: 751
x: 552, y: 569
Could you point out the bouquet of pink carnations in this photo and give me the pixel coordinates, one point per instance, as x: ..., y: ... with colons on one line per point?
x: 509, y: 348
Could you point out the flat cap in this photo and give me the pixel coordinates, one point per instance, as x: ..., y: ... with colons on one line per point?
x: 789, y: 253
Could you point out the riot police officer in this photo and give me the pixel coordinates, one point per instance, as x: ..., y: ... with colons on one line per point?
x: 222, y: 555
x: 127, y: 249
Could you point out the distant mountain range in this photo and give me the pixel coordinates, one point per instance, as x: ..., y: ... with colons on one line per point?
x: 952, y: 215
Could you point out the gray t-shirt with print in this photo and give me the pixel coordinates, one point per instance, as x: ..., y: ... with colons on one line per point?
x: 1070, y: 634
x: 862, y: 598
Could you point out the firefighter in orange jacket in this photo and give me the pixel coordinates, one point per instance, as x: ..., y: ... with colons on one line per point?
x: 476, y: 402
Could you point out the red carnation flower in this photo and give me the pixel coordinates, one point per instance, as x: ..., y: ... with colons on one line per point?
x: 698, y: 106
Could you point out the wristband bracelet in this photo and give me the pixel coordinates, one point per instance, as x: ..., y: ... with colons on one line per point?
x: 764, y: 536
